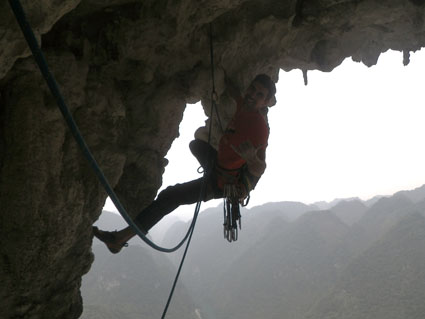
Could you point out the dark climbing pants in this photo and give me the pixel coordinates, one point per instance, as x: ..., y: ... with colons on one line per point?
x: 183, y: 194
x: 204, y: 153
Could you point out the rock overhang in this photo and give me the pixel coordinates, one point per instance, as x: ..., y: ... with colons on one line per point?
x: 127, y: 69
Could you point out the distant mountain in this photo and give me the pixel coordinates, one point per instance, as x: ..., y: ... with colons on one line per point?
x: 159, y: 231
x: 376, y: 221
x: 287, y: 210
x: 132, y: 284
x: 387, y: 281
x: 384, y: 214
x: 209, y: 229
x: 354, y: 260
x: 285, y: 272
x: 322, y: 205
x: 210, y: 254
x: 416, y: 195
x: 372, y: 201
x: 285, y: 261
x: 349, y: 211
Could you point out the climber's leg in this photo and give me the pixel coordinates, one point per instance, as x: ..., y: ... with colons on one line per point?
x: 168, y: 200
x: 204, y: 153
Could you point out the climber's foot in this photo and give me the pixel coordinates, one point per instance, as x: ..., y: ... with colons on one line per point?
x: 110, y: 239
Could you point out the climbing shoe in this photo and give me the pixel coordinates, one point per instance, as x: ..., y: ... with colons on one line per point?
x: 109, y: 238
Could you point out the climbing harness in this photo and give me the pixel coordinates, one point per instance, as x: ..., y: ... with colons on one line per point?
x: 235, y: 194
x: 44, y: 69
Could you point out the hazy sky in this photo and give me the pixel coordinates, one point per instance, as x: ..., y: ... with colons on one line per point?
x: 354, y: 132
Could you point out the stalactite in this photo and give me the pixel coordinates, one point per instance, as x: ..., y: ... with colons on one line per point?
x: 305, y: 77
x: 406, y: 57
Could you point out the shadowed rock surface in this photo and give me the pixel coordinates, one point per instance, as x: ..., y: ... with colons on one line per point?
x: 127, y: 70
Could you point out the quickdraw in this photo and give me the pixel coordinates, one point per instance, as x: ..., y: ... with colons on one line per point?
x: 232, y: 216
x: 231, y: 212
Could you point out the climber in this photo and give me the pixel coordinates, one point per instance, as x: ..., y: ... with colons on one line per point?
x: 239, y: 162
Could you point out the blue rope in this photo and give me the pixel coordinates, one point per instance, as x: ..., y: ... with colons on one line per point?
x: 42, y: 64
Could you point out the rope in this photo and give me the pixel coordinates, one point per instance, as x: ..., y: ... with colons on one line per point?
x: 213, y: 92
x: 198, y: 206
x: 42, y: 64
x: 207, y: 172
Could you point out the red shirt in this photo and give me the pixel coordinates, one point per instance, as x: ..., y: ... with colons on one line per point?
x: 245, y: 125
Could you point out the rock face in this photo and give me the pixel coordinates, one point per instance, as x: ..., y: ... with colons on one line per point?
x: 127, y: 69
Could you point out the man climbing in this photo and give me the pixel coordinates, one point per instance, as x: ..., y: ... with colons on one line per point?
x: 234, y: 168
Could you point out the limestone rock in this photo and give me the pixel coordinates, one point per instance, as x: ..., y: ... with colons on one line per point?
x: 127, y: 69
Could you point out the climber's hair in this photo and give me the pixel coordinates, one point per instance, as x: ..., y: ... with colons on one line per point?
x: 268, y: 83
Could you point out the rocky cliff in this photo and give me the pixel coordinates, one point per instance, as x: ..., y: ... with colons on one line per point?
x: 127, y: 69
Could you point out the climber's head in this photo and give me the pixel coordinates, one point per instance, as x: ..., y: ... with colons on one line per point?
x: 260, y: 93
